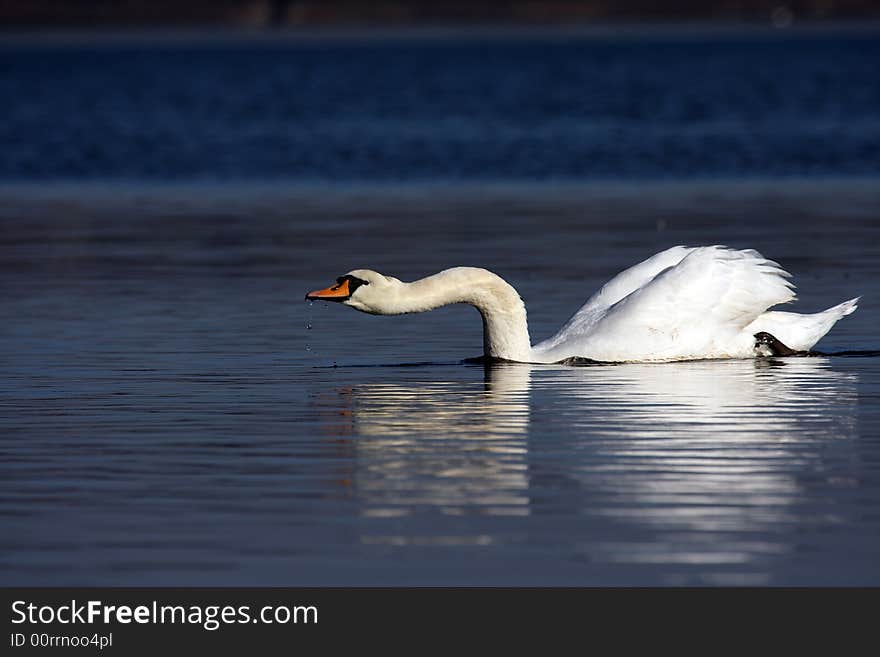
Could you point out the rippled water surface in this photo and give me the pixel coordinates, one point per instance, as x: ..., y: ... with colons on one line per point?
x: 172, y: 412
x: 635, y: 105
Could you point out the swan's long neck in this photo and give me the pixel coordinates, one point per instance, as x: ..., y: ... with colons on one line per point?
x: 505, y: 327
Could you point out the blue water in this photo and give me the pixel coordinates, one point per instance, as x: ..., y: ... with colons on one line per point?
x: 172, y: 411
x: 749, y: 104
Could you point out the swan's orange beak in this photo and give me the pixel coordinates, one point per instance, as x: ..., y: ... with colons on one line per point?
x: 339, y: 292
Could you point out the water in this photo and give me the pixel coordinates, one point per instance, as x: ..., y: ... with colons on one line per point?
x: 167, y: 416
x: 639, y: 105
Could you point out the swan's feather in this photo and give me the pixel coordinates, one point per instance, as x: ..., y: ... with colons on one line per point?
x: 625, y: 283
x: 695, y: 308
x: 800, y: 332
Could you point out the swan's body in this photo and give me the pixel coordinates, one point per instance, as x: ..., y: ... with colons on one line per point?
x: 681, y: 304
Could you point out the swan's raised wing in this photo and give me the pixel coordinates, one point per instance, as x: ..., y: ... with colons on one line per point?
x: 694, y: 308
x: 625, y: 283
x: 630, y: 280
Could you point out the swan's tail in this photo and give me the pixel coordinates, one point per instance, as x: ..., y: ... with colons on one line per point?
x: 802, y: 332
x: 843, y: 309
x: 828, y: 318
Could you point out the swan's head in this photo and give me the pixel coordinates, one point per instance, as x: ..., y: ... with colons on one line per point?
x: 364, y: 290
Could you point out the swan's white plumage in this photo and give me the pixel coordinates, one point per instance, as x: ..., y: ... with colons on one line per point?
x: 695, y: 308
x: 682, y: 303
x: 801, y: 332
x: 625, y: 283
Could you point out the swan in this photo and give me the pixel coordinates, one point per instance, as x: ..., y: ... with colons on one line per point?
x: 684, y: 303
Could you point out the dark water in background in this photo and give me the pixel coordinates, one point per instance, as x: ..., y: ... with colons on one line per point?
x: 170, y: 412
x: 655, y: 105
x: 167, y: 416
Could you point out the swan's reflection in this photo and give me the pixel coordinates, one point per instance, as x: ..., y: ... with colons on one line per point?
x: 456, y: 445
x: 684, y: 463
x: 702, y: 462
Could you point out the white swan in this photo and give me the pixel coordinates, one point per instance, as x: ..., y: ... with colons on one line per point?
x: 681, y: 304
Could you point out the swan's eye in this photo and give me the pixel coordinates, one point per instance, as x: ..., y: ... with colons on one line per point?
x: 353, y: 282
